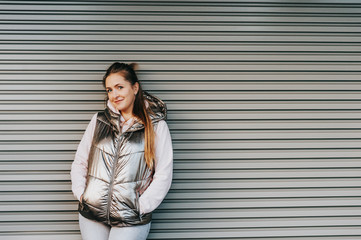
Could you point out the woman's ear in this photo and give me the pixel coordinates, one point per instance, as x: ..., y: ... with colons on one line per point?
x: 136, y: 88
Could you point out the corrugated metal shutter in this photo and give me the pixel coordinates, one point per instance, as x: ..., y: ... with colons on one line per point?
x: 264, y: 110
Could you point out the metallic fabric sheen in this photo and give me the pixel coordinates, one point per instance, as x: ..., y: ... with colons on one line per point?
x: 117, y: 172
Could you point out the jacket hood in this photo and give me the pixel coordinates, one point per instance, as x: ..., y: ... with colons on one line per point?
x: 157, y: 106
x: 157, y: 111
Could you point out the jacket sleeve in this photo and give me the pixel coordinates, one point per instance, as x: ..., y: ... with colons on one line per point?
x: 162, y: 179
x: 79, y: 167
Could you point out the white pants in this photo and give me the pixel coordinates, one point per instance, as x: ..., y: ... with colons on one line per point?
x: 93, y: 230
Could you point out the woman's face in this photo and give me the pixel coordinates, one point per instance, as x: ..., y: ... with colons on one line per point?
x: 121, y: 93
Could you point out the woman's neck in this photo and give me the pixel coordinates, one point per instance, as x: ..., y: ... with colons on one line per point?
x: 127, y: 116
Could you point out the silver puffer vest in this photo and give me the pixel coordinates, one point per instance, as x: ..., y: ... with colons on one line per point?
x: 117, y: 172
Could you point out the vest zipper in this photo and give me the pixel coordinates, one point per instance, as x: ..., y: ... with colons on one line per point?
x: 111, y: 184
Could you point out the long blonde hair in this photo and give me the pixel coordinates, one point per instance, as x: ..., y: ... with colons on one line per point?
x: 139, y: 110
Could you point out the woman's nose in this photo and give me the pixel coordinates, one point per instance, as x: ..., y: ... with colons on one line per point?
x: 115, y: 93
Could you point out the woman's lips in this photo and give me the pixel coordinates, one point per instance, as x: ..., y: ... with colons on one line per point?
x: 117, y: 101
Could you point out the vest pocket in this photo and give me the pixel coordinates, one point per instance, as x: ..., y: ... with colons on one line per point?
x: 137, y: 205
x: 137, y: 201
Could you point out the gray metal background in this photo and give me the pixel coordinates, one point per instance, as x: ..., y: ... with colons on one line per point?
x: 264, y: 111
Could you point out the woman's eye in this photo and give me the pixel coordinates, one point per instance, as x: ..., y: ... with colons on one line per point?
x: 120, y: 87
x: 109, y: 90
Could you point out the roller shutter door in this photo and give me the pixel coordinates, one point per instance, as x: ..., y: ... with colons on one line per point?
x: 264, y: 111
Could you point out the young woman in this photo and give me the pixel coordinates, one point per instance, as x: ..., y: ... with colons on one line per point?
x: 123, y: 165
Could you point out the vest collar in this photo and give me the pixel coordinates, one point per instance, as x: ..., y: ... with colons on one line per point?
x: 156, y: 107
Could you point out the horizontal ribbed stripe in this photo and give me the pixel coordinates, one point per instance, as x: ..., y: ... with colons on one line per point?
x: 263, y: 105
